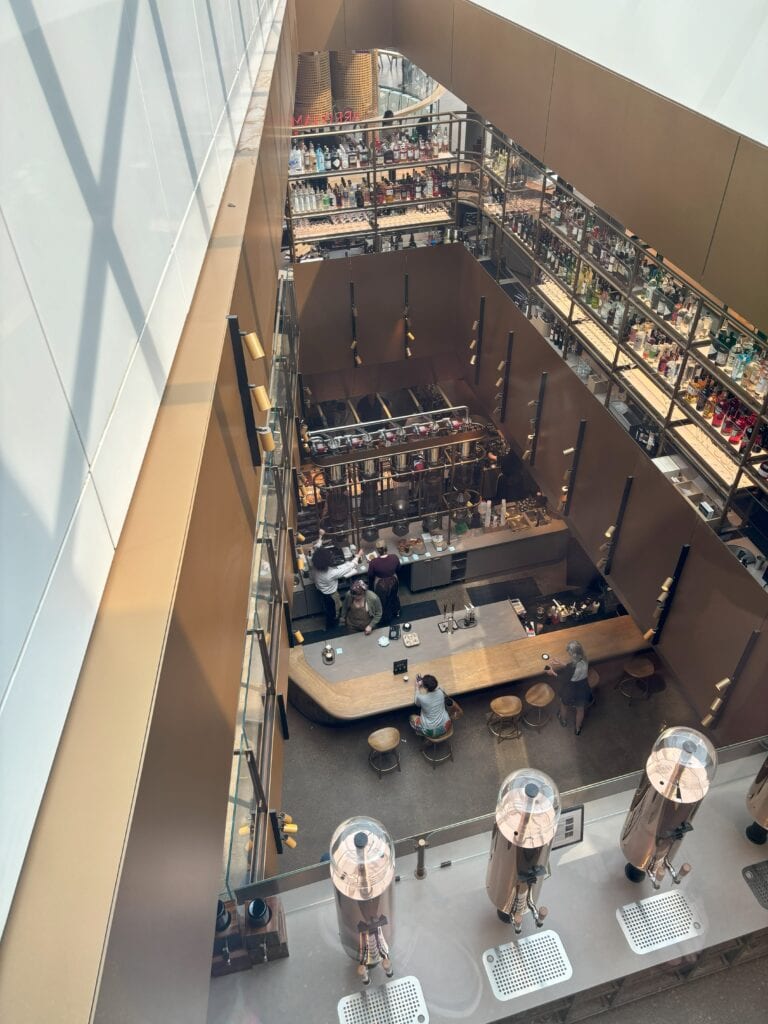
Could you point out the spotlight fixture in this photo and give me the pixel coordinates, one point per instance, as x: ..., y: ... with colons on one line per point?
x: 568, y: 451
x: 475, y: 324
x: 533, y: 401
x: 408, y: 352
x: 499, y: 382
x: 564, y: 488
x: 252, y: 343
x: 526, y: 455
x: 667, y: 584
x: 708, y: 721
x: 723, y: 685
x: 358, y: 360
x: 473, y: 345
x: 531, y: 437
x: 501, y: 365
x: 473, y: 360
x: 716, y: 704
x: 353, y: 346
x: 649, y: 634
x: 261, y: 397
x: 298, y: 636
x: 609, y: 533
x: 266, y: 440
x: 411, y: 336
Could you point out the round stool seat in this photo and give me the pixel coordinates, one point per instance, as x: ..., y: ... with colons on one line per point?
x: 639, y: 668
x: 634, y: 681
x: 539, y: 697
x: 384, y: 740
x: 502, y: 720
x: 384, y: 755
x: 432, y: 744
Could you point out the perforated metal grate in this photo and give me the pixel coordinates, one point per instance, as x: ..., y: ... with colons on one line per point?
x: 659, y: 921
x: 527, y: 965
x: 397, y: 1002
x: 756, y: 877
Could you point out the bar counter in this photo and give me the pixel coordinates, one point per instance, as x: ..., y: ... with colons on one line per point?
x: 361, y: 681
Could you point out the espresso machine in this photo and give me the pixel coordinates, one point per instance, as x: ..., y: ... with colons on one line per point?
x: 757, y: 806
x: 363, y: 874
x: 678, y: 774
x: 527, y: 814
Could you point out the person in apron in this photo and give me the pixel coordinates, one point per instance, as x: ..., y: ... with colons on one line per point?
x: 382, y: 579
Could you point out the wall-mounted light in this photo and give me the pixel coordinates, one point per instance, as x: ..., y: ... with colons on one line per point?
x: 261, y: 397
x: 501, y: 365
x: 266, y: 440
x: 610, y: 532
x: 252, y: 343
x: 533, y: 401
x: 568, y: 451
x: 358, y: 360
x: 526, y: 456
x: 667, y: 584
x: 499, y: 382
x: 723, y: 685
x: 473, y: 360
x: 411, y: 336
x: 475, y: 324
x: 473, y: 345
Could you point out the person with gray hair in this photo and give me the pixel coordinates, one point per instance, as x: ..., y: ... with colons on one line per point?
x: 576, y: 692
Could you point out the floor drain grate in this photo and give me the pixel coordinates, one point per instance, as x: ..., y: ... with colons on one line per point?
x: 756, y: 877
x: 659, y: 921
x: 527, y: 965
x: 396, y: 1002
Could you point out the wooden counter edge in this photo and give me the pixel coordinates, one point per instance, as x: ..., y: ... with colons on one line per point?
x: 465, y: 672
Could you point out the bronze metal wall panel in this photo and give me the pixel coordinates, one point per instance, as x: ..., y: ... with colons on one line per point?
x: 323, y: 302
x: 737, y: 265
x: 349, y: 383
x: 504, y: 71
x: 607, y: 459
x: 586, y: 128
x: 323, y: 307
x: 259, y: 261
x: 731, y: 604
x: 320, y: 25
x: 368, y: 24
x: 746, y: 711
x: 194, y: 711
x: 424, y: 32
x: 379, y: 284
x: 674, y: 167
x: 657, y: 523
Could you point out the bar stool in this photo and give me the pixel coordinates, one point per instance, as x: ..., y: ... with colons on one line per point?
x: 539, y: 697
x: 432, y: 744
x: 502, y: 720
x: 634, y: 682
x: 385, y: 747
x: 593, y: 679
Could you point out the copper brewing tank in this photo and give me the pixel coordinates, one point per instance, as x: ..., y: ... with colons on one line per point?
x: 757, y: 806
x: 363, y: 872
x: 678, y: 774
x: 527, y: 815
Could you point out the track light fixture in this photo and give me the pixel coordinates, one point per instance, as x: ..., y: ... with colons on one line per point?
x: 408, y: 352
x: 533, y: 401
x: 667, y: 584
x: 411, y: 336
x: 473, y: 360
x: 473, y: 345
x: 358, y: 360
x: 526, y: 455
x: 261, y: 397
x: 707, y: 721
x: 499, y: 382
x: 252, y: 343
x: 723, y: 685
x: 266, y: 439
x: 568, y: 451
x: 475, y: 324
x: 609, y: 533
x: 501, y: 365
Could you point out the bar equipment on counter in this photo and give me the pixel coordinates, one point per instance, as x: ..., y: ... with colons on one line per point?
x: 527, y: 815
x: 678, y: 774
x: 328, y: 655
x: 363, y: 872
x: 757, y: 806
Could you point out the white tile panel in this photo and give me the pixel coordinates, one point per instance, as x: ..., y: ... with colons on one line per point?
x: 121, y: 453
x: 41, y: 689
x: 42, y: 462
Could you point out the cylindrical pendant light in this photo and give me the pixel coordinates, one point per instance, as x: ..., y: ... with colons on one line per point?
x: 261, y: 397
x: 266, y: 440
x: 254, y: 346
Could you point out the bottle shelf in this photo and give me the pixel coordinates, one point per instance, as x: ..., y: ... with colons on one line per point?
x: 707, y: 454
x: 597, y: 336
x: 717, y: 438
x: 416, y: 219
x: 617, y: 283
x: 664, y: 325
x: 312, y: 232
x: 556, y: 297
x: 750, y: 399
x: 332, y: 211
x: 345, y: 172
x: 649, y: 394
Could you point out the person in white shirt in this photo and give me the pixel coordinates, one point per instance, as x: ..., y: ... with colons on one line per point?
x: 326, y: 578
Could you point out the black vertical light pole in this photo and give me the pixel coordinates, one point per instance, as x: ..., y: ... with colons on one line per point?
x: 406, y: 321
x: 505, y: 388
x: 574, y: 466
x: 670, y: 594
x: 537, y: 418
x: 617, y: 525
x: 479, y: 336
x: 356, y: 360
x: 242, y: 386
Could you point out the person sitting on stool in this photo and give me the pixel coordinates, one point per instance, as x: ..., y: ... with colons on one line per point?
x: 361, y: 609
x: 576, y: 692
x: 382, y: 578
x: 433, y: 720
x: 326, y: 578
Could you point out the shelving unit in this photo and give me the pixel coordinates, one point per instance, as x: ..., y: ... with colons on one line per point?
x: 648, y: 329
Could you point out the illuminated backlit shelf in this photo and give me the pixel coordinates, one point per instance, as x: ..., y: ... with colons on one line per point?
x: 650, y: 393
x: 709, y: 454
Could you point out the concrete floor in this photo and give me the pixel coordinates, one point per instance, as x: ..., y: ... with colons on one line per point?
x: 327, y: 778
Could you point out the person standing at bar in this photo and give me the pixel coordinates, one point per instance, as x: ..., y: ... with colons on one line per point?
x: 361, y: 609
x: 576, y: 692
x: 382, y: 579
x: 326, y: 578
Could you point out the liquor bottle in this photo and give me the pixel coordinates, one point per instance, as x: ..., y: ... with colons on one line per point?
x: 703, y: 395
x: 320, y: 158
